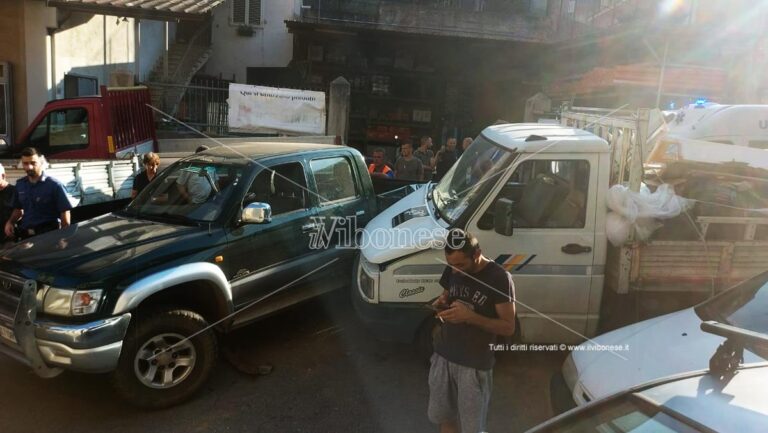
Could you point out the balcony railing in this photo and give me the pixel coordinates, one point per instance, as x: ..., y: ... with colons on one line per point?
x: 524, y: 20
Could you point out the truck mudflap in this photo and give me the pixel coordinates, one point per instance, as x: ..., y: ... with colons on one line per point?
x: 24, y: 328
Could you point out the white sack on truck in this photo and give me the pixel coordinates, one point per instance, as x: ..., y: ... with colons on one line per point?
x: 640, y: 210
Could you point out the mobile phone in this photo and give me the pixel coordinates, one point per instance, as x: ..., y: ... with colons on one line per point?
x: 436, y: 307
x: 432, y: 307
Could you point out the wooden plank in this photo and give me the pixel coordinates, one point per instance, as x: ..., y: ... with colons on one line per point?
x: 724, y: 267
x: 732, y: 220
x: 666, y: 254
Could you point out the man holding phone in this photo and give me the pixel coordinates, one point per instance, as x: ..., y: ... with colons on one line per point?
x: 476, y: 306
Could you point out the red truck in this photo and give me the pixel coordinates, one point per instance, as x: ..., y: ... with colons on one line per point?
x: 92, y: 142
x: 113, y: 125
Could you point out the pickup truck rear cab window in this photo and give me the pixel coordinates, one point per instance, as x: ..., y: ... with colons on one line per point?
x: 333, y: 177
x: 283, y: 187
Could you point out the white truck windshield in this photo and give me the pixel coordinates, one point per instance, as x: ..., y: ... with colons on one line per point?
x: 480, y: 164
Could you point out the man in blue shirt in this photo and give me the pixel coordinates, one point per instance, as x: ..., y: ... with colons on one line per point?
x: 41, y: 202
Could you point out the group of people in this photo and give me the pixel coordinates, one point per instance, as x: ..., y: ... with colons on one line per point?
x: 421, y: 164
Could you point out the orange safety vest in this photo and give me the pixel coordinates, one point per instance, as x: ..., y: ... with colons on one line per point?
x: 372, y: 169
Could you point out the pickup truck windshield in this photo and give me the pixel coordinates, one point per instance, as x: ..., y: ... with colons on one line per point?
x: 479, y: 166
x: 188, y: 192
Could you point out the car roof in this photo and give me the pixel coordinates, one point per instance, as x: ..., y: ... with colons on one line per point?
x: 542, y: 137
x: 264, y: 149
x: 733, y: 404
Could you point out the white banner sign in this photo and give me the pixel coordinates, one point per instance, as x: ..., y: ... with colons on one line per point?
x: 271, y: 110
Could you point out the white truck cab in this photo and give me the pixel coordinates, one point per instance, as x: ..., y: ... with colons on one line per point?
x: 534, y: 195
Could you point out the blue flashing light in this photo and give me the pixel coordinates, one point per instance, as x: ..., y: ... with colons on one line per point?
x: 700, y: 102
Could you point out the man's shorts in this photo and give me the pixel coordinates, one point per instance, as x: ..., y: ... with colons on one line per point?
x: 459, y: 393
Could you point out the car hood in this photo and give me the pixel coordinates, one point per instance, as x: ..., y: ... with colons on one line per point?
x: 638, y: 359
x: 406, y: 227
x: 101, y: 246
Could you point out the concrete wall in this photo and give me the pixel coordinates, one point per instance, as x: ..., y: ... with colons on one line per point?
x: 270, y: 45
x: 152, y: 45
x: 105, y: 44
x: 91, y: 45
x: 37, y: 19
x: 12, y: 50
x: 101, y: 45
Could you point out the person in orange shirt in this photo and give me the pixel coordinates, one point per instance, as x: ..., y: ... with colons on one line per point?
x: 379, y: 168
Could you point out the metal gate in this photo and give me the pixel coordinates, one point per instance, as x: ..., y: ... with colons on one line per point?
x: 201, y: 104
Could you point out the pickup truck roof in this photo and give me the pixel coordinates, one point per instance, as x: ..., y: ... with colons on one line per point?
x: 536, y: 137
x: 261, y: 149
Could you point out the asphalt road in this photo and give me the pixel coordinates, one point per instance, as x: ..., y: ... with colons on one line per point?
x: 329, y: 375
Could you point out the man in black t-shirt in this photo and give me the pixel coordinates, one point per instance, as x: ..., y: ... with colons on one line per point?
x: 476, y: 306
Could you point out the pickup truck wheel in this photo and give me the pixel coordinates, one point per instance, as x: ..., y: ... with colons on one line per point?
x: 160, y: 365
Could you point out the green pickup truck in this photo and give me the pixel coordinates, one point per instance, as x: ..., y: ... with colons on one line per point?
x: 216, y: 241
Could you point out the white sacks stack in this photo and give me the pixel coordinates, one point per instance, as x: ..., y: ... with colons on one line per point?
x: 641, y: 211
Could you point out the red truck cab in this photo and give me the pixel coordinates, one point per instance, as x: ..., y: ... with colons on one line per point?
x: 114, y: 124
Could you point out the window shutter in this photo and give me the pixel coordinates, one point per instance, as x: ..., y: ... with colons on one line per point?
x: 238, y: 11
x: 254, y: 12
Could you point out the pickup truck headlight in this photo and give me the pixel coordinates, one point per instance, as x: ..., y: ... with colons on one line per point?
x: 66, y: 302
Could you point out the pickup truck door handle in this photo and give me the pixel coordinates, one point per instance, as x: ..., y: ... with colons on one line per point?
x: 576, y: 249
x: 310, y: 227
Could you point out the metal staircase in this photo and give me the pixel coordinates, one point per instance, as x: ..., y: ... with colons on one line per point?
x: 167, y: 87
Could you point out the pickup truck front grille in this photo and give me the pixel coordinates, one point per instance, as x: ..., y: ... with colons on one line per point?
x: 10, y: 295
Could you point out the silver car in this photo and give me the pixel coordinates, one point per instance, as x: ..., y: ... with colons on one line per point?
x: 663, y: 346
x: 725, y: 398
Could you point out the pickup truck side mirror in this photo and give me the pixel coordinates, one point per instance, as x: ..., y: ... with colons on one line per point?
x: 256, y: 213
x: 502, y: 217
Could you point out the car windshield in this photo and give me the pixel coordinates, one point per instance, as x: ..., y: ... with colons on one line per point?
x: 629, y: 414
x: 189, y: 192
x: 744, y: 306
x: 479, y: 165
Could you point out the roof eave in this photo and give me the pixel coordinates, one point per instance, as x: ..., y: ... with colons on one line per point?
x: 140, y: 13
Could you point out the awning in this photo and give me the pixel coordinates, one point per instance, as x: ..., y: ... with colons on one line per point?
x: 161, y: 10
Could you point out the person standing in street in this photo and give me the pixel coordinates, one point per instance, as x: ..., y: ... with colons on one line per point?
x: 477, y: 304
x: 41, y: 202
x: 7, y: 196
x: 408, y: 167
x: 426, y: 156
x: 151, y: 163
x: 445, y: 159
x: 465, y: 144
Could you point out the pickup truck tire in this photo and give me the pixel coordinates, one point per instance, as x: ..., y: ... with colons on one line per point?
x: 159, y: 367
